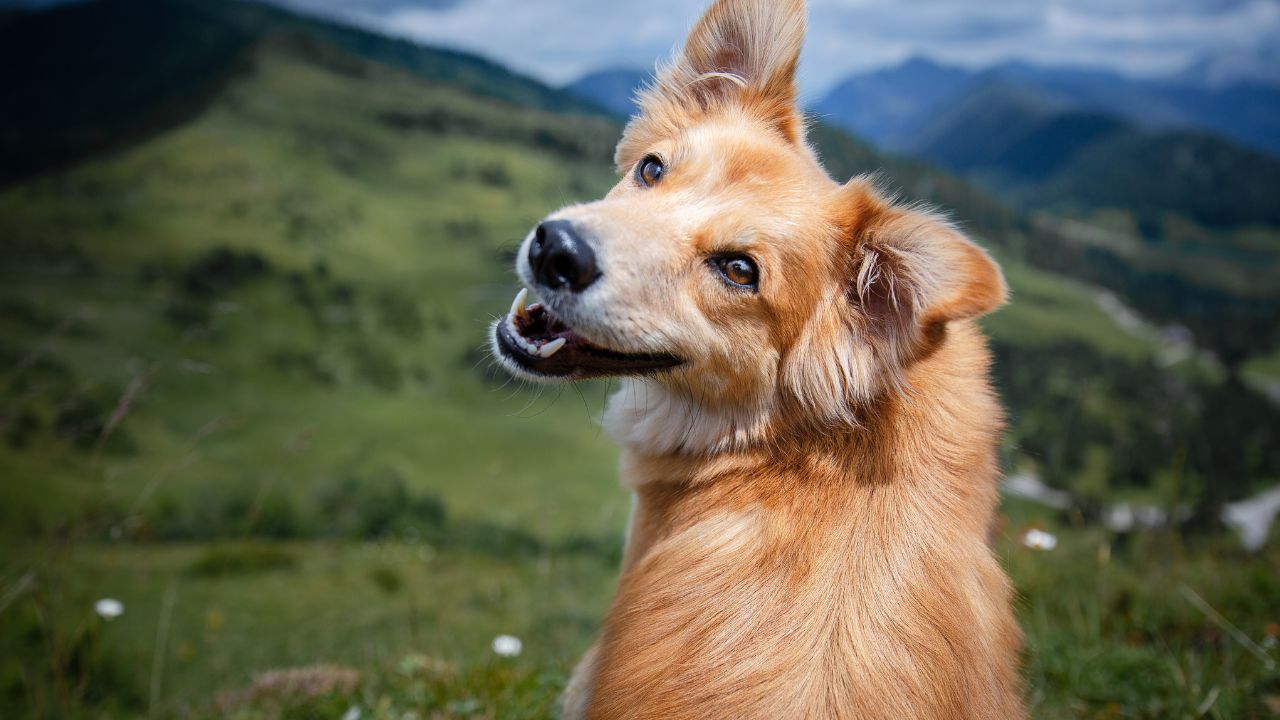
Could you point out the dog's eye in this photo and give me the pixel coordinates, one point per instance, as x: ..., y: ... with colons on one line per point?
x: 738, y: 270
x: 650, y: 171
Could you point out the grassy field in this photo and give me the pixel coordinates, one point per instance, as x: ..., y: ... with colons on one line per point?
x: 1114, y: 630
x: 245, y: 393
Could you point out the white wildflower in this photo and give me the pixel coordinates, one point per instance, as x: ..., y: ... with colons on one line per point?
x: 108, y: 608
x: 1039, y: 540
x: 352, y: 714
x: 507, y: 646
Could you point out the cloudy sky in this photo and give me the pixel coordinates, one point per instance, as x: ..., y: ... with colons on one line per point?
x: 559, y: 40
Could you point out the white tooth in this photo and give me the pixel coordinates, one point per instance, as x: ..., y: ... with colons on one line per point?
x: 553, y: 347
x: 518, y: 308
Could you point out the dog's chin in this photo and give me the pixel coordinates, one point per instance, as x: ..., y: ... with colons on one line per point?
x: 532, y: 343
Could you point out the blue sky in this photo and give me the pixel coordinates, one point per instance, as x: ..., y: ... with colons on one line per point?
x: 559, y: 40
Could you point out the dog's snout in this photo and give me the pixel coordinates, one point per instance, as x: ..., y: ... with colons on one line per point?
x: 561, y: 259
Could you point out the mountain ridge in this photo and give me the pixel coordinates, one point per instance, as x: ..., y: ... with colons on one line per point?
x: 1247, y: 112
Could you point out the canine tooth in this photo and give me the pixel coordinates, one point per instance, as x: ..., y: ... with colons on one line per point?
x: 553, y: 347
x: 518, y: 307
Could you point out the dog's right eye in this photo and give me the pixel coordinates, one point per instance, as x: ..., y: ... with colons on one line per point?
x: 739, y: 271
x: 650, y: 171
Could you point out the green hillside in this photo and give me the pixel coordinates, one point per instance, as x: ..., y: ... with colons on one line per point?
x: 1197, y: 175
x: 245, y: 392
x: 163, y: 60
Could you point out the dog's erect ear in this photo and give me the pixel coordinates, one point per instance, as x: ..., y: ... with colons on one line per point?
x: 914, y: 272
x: 744, y: 53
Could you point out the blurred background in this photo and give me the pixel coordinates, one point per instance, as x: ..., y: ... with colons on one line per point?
x: 255, y: 461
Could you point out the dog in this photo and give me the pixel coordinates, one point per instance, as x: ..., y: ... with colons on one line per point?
x: 807, y: 423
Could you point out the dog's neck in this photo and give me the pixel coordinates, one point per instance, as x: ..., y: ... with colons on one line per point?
x: 921, y: 437
x: 649, y: 418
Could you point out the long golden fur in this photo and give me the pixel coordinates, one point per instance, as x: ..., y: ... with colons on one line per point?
x: 815, y: 485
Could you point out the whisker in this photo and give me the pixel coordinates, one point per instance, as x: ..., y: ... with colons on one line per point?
x: 544, y: 411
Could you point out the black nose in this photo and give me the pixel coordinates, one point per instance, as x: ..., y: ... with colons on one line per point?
x: 560, y: 258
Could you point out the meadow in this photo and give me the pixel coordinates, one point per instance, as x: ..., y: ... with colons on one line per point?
x: 246, y: 394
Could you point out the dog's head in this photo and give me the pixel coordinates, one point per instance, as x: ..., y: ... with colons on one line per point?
x: 726, y: 269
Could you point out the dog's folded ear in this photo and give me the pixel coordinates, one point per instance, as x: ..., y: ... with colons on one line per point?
x: 906, y: 274
x: 742, y: 54
x: 914, y: 272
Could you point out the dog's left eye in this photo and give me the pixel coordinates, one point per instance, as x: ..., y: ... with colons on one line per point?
x: 738, y: 270
x: 650, y: 171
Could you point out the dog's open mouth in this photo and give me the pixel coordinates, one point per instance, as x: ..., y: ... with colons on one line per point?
x: 538, y: 342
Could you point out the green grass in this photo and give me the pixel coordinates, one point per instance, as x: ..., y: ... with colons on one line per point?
x: 1110, y: 631
x: 1048, y: 309
x: 328, y: 606
x: 1268, y: 365
x: 1240, y: 261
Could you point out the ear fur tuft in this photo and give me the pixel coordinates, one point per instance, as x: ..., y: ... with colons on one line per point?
x: 742, y: 54
x: 917, y: 269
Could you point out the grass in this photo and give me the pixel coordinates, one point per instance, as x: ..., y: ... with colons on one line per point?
x: 325, y: 605
x: 1049, y: 309
x: 1268, y: 366
x: 1110, y: 631
x: 1240, y: 261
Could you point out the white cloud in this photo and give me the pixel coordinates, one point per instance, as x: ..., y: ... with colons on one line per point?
x: 559, y: 40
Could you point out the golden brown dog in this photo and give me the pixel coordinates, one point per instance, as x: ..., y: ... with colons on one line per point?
x: 807, y: 421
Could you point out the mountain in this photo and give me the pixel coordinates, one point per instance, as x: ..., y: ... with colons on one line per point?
x: 888, y: 106
x: 1156, y: 173
x: 614, y: 88
x: 892, y: 106
x: 997, y: 128
x: 1251, y: 65
x: 164, y: 59
x: 1241, y: 110
x: 1029, y: 149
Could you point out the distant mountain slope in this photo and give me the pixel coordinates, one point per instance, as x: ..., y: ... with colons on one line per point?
x: 1152, y: 174
x: 615, y: 88
x: 1256, y: 65
x: 995, y: 127
x: 140, y: 65
x: 1045, y: 157
x: 890, y: 106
